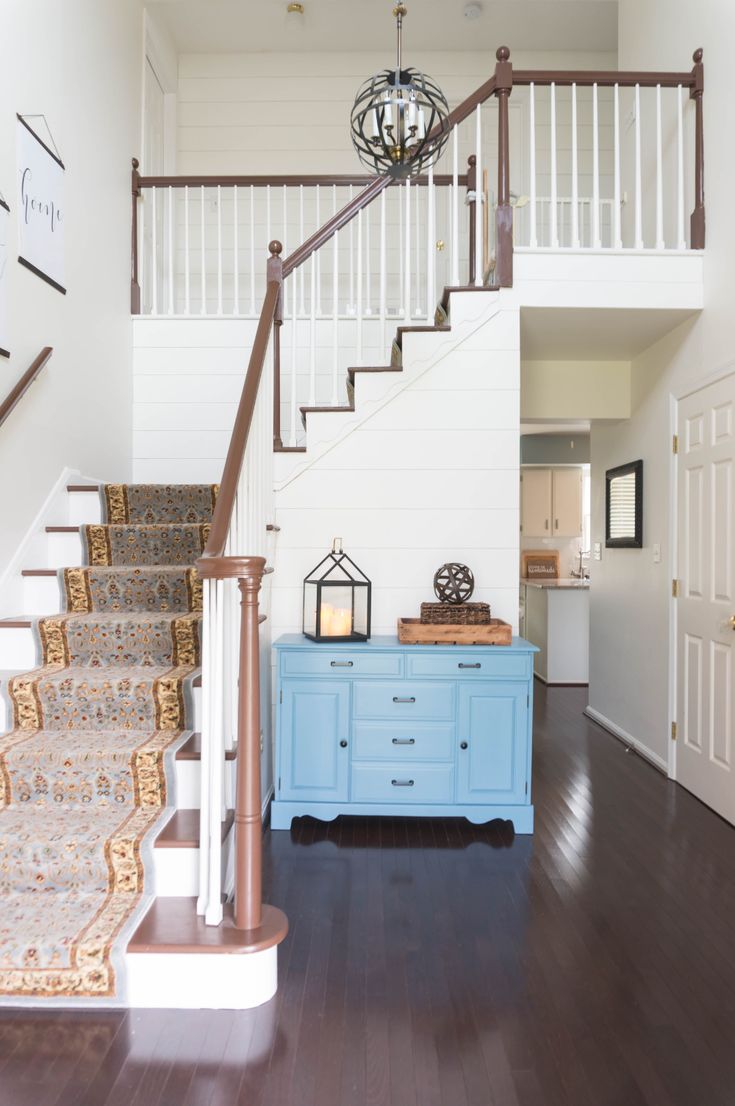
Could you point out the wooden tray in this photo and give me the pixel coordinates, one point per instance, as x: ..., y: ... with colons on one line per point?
x: 411, y: 631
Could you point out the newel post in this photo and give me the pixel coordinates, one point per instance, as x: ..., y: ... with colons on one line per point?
x: 472, y: 203
x: 503, y: 211
x: 134, y: 283
x: 275, y: 273
x: 696, y: 226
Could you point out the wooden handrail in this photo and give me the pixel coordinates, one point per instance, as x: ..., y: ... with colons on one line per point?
x: 16, y: 393
x: 290, y: 180
x: 605, y: 78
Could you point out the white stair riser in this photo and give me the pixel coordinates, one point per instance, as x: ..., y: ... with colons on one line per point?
x: 189, y: 783
x: 17, y: 649
x: 41, y: 595
x: 176, y: 871
x: 63, y: 550
x: 201, y: 981
x: 83, y: 508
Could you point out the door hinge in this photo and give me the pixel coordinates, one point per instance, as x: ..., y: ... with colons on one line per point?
x: 675, y: 589
x: 280, y: 698
x: 675, y: 444
x: 673, y: 731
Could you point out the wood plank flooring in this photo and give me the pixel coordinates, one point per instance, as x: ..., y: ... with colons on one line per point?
x: 441, y: 964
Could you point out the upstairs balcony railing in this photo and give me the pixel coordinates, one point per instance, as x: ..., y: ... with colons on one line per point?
x: 569, y: 205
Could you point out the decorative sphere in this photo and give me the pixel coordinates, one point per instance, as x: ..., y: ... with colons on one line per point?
x: 453, y: 583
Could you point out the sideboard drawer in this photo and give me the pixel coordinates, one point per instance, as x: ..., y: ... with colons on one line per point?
x: 403, y: 783
x: 323, y: 661
x: 466, y: 665
x: 402, y: 741
x: 407, y: 701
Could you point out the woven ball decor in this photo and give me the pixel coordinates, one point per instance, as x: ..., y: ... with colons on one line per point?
x: 454, y: 583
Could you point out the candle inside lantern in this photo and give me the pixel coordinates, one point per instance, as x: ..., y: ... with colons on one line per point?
x: 335, y: 621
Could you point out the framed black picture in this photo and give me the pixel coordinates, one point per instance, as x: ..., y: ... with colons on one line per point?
x: 624, y: 506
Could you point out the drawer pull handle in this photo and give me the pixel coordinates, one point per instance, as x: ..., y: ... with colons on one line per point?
x: 463, y: 744
x: 343, y: 744
x: 397, y: 699
x: 478, y: 665
x: 402, y: 783
x: 342, y: 664
x: 404, y: 740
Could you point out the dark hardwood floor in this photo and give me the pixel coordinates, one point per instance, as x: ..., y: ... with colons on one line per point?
x: 440, y: 964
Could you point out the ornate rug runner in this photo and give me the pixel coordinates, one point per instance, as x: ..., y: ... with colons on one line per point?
x: 86, y: 773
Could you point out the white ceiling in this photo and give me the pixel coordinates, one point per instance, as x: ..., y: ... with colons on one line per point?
x: 221, y: 26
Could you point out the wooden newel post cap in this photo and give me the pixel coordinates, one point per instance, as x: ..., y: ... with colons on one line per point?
x: 472, y: 159
x: 231, y: 568
x: 136, y: 163
x: 697, y: 56
x: 275, y: 247
x: 502, y: 53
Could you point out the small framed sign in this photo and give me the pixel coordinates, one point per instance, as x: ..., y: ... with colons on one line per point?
x: 40, y: 207
x: 540, y: 564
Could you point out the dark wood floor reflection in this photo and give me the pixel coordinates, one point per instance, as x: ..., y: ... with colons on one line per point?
x: 440, y: 964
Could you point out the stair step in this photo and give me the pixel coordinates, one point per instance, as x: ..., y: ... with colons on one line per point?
x: 16, y: 623
x: 38, y: 572
x: 428, y: 329
x: 444, y: 301
x: 192, y: 750
x: 369, y: 369
x: 182, y: 830
x: 322, y: 410
x: 173, y: 925
x: 83, y: 488
x: 62, y: 529
x: 289, y: 449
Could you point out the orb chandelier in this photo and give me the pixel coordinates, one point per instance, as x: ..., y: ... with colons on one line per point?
x: 399, y: 120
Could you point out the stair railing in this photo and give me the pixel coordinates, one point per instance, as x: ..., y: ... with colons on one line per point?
x: 236, y: 663
x: 17, y: 392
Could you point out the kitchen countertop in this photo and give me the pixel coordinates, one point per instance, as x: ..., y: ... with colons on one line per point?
x: 568, y: 582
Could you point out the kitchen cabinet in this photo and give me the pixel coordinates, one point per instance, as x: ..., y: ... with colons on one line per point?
x: 551, y: 502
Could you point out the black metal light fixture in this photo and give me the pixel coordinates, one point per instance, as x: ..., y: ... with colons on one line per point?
x: 399, y: 119
x: 337, y: 599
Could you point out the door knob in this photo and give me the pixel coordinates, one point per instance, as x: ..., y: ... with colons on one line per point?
x: 731, y: 622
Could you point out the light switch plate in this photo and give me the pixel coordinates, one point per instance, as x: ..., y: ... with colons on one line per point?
x: 597, y: 550
x: 656, y: 553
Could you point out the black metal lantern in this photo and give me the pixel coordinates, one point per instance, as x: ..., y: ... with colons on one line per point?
x: 399, y: 119
x: 337, y: 599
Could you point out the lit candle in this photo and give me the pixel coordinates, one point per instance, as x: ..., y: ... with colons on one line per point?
x: 375, y: 123
x: 412, y: 113
x: 327, y: 611
x: 341, y: 622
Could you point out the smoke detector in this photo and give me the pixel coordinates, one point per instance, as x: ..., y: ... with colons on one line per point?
x: 472, y: 11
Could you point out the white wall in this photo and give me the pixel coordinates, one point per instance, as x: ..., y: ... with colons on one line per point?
x: 80, y: 64
x: 630, y: 595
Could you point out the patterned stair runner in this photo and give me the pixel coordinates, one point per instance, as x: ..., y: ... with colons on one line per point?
x: 86, y: 773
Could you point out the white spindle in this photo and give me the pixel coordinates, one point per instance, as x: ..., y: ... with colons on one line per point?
x: 638, y: 188
x: 430, y: 246
x: 575, y: 173
x: 533, y: 238
x: 187, y: 272
x: 383, y: 273
x: 368, y: 264
x: 142, y: 253
x: 401, y: 283
x: 302, y: 274
x: 660, y: 244
x: 267, y: 214
x: 617, y: 236
x: 252, y: 250
x: 203, y: 274
x: 478, y: 197
x: 407, y: 251
x: 553, y: 225
x: 351, y: 266
x: 359, y: 288
x: 335, y: 307
x: 154, y: 252
x: 170, y: 250
x: 206, y: 753
x: 455, y: 209
x: 595, y: 170
x: 317, y: 224
x: 294, y: 316
x: 284, y: 239
x: 417, y: 246
x: 213, y: 914
x: 219, y: 249
x: 680, y: 232
x: 236, y: 254
x: 312, y: 334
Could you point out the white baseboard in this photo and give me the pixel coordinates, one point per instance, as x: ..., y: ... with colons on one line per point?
x: 266, y: 803
x: 201, y: 981
x: 627, y: 739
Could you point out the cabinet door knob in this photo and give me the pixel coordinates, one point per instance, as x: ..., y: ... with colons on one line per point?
x: 343, y: 744
x: 463, y: 744
x: 398, y: 699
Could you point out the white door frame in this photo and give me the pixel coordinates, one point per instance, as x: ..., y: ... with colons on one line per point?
x: 714, y: 377
x: 160, y: 54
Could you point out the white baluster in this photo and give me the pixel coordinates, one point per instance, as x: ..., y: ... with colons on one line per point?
x: 351, y: 266
x: 359, y: 289
x: 479, y: 275
x: 301, y: 274
x: 430, y: 246
x: 407, y: 252
x: 154, y: 251
x: 383, y: 273
x: 595, y: 171
x: 284, y: 239
x: 292, y: 435
x: 680, y: 232
x: 575, y: 173
x: 213, y: 913
x: 660, y: 244
x: 252, y: 250
x: 236, y: 254
x: 335, y: 309
x: 187, y: 265
x: 553, y: 226
x: 317, y: 224
x: 617, y: 236
x: 455, y: 209
x: 267, y: 214
x: 219, y: 249
x: 638, y: 200
x: 203, y: 274
x: 142, y: 276
x: 206, y: 753
x: 170, y: 250
x: 417, y: 245
x: 368, y: 264
x: 312, y: 334
x: 533, y: 238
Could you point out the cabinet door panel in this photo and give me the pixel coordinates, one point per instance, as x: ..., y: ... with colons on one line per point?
x: 567, y: 503
x: 536, y: 503
x: 493, y: 722
x: 315, y: 718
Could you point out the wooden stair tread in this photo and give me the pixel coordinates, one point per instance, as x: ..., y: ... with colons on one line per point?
x: 442, y: 328
x: 324, y: 410
x: 444, y: 301
x: 38, y: 572
x: 17, y: 623
x: 182, y: 830
x: 172, y: 925
x: 192, y: 749
x: 82, y: 488
x: 289, y: 449
x: 62, y: 529
x: 351, y: 372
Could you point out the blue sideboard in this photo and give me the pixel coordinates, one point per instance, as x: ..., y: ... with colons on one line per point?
x: 384, y: 728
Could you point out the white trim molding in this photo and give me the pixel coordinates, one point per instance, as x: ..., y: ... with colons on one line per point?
x: 622, y: 735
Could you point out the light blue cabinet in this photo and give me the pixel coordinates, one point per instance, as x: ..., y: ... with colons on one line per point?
x: 384, y: 728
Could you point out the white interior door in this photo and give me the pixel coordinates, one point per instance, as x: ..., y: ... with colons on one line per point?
x: 705, y: 626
